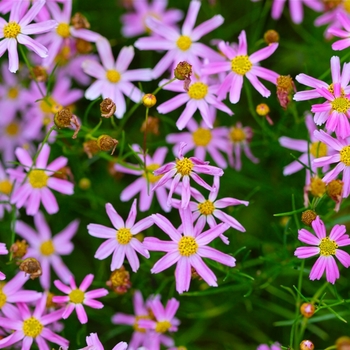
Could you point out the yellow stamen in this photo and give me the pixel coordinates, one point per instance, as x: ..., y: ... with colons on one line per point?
x: 113, y: 76
x: 187, y: 246
x: 241, y: 64
x: 32, y: 327
x: 123, y: 236
x: 11, y: 30
x: 184, y: 42
x: 327, y: 247
x: 184, y: 166
x: 201, y: 137
x: 47, y: 248
x: 38, y: 178
x: 63, y: 30
x: 76, y: 296
x: 206, y: 208
x: 345, y: 155
x: 318, y: 149
x: 198, y: 90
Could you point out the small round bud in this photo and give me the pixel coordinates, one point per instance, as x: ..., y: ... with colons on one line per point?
x: 83, y: 46
x: 262, y: 109
x: 39, y: 73
x: 107, y: 108
x: 84, y: 183
x: 31, y: 267
x: 307, y: 345
x: 79, y: 21
x: 308, y: 216
x: 19, y: 249
x: 335, y: 189
x: 183, y: 71
x: 152, y: 125
x: 106, y: 143
x: 149, y: 100
x: 119, y: 281
x: 307, y: 309
x: 271, y: 36
x: 90, y: 148
x: 343, y: 343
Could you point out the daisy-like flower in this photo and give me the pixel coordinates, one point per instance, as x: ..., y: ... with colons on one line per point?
x: 29, y: 327
x: 182, y: 170
x: 181, y: 45
x: 340, y: 154
x: 18, y: 29
x: 38, y: 181
x: 77, y: 297
x: 120, y: 240
x: 113, y: 76
x: 202, y: 140
x: 3, y: 251
x: 47, y: 249
x: 240, y: 65
x: 326, y: 247
x: 134, y: 23
x: 93, y: 343
x: 341, y: 33
x: 200, y: 96
x: 187, y: 250
x: 6, y: 187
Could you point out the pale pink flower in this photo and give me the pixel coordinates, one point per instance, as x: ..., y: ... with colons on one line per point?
x: 93, y: 343
x: 275, y: 346
x: 3, y: 251
x: 344, y: 43
x: 77, y: 297
x: 6, y: 187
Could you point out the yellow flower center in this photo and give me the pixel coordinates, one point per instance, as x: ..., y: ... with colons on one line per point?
x: 346, y: 5
x: 32, y: 327
x: 318, y: 149
x: 340, y: 104
x: 327, y: 247
x: 317, y: 187
x: 148, y: 174
x: 331, y: 90
x: 47, y: 248
x: 5, y: 187
x: 345, y: 155
x: 62, y: 58
x: 206, y: 208
x: 113, y: 76
x: 162, y: 326
x: 198, y: 90
x: 237, y: 135
x: 123, y: 235
x: 184, y: 42
x: 49, y: 105
x: 184, y: 166
x: 11, y: 30
x: 187, y: 246
x: 12, y: 93
x: 136, y: 323
x: 3, y: 298
x: 201, y: 137
x: 12, y: 129
x: 38, y: 178
x: 241, y: 64
x: 76, y: 296
x: 63, y: 30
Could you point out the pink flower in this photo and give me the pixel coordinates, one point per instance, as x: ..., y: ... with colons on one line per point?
x: 326, y: 247
x: 239, y: 64
x: 344, y: 43
x: 47, y: 249
x: 121, y: 242
x: 77, y: 297
x: 18, y: 29
x: 113, y: 78
x: 27, y: 326
x: 181, y: 45
x: 36, y: 184
x: 93, y: 343
x: 6, y: 187
x: 182, y: 170
x: 187, y: 250
x: 3, y: 251
x: 275, y: 346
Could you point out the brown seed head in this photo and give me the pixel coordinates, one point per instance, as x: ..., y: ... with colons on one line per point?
x: 271, y: 36
x: 19, y: 249
x: 31, y: 267
x: 107, y: 108
x: 308, y: 216
x: 183, y: 71
x: 90, y: 148
x: 79, y: 21
x: 63, y: 118
x: 107, y: 143
x: 119, y: 281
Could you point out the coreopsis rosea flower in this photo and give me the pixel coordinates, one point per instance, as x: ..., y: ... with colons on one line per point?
x: 77, y: 297
x: 18, y: 29
x: 120, y: 240
x: 3, y: 251
x: 239, y: 65
x: 326, y: 247
x: 344, y: 34
x: 275, y: 346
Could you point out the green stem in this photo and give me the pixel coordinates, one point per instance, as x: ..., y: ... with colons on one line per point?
x: 87, y: 111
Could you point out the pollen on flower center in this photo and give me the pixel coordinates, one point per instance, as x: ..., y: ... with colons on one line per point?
x: 3, y: 298
x: 237, y: 135
x: 340, y: 104
x: 162, y: 326
x: 198, y: 90
x: 38, y: 178
x: 331, y: 90
x: 345, y: 155
x: 201, y: 137
x: 113, y: 76
x: 123, y: 235
x: 63, y: 30
x: 241, y: 64
x: 184, y: 166
x: 5, y: 187
x: 327, y: 247
x: 148, y: 173
x: 12, y: 93
x: 318, y: 149
x: 32, y: 327
x: 184, y: 42
x: 11, y: 30
x: 206, y: 208
x: 76, y: 296
x: 12, y: 129
x: 187, y: 246
x: 47, y: 248
x: 136, y: 323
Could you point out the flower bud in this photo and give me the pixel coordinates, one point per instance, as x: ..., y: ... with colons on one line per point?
x: 149, y: 100
x: 19, y: 249
x: 306, y: 345
x: 342, y: 343
x: 263, y: 110
x: 79, y: 21
x: 107, y: 143
x: 307, y: 309
x: 31, y: 267
x: 271, y: 36
x: 107, y: 108
x: 308, y: 216
x: 119, y: 281
x: 183, y: 71
x: 84, y: 183
x: 151, y: 125
x: 90, y: 148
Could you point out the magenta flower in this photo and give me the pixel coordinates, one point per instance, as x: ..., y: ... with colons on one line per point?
x: 27, y: 327
x: 275, y: 346
x: 341, y: 33
x: 120, y: 240
x: 187, y: 250
x: 47, y: 249
x: 239, y: 64
x: 200, y: 95
x: 93, y: 343
x: 18, y: 29
x: 181, y: 45
x: 340, y: 154
x: 77, y: 297
x: 182, y: 170
x: 3, y: 251
x: 36, y: 185
x: 113, y: 77
x: 326, y: 247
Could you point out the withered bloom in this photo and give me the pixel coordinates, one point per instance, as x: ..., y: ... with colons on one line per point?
x: 285, y: 87
x: 31, y: 267
x: 107, y: 107
x: 64, y: 118
x: 107, y: 143
x: 79, y: 21
x: 119, y: 281
x: 90, y: 148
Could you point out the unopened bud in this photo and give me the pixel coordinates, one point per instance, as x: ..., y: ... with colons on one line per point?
x: 263, y: 110
x: 31, y: 267
x: 107, y: 143
x: 107, y: 108
x: 342, y: 343
x: 285, y: 87
x: 307, y: 309
x: 308, y: 216
x: 79, y: 21
x: 307, y: 345
x: 149, y: 100
x: 271, y: 36
x: 84, y: 183
x: 19, y: 249
x: 64, y: 118
x: 90, y: 148
x: 119, y: 281
x: 39, y: 73
x: 151, y: 125
x: 83, y: 46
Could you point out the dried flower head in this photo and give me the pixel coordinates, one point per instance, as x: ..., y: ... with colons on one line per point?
x: 79, y: 21
x: 335, y: 189
x: 308, y: 216
x: 149, y: 100
x: 307, y: 345
x: 151, y: 125
x: 64, y: 118
x: 83, y: 46
x: 90, y: 148
x: 19, y: 249
x: 39, y: 73
x: 271, y: 36
x: 107, y: 143
x: 183, y: 71
x: 119, y: 281
x: 317, y: 187
x: 31, y: 267
x: 107, y: 107
x: 307, y: 309
x: 285, y: 87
